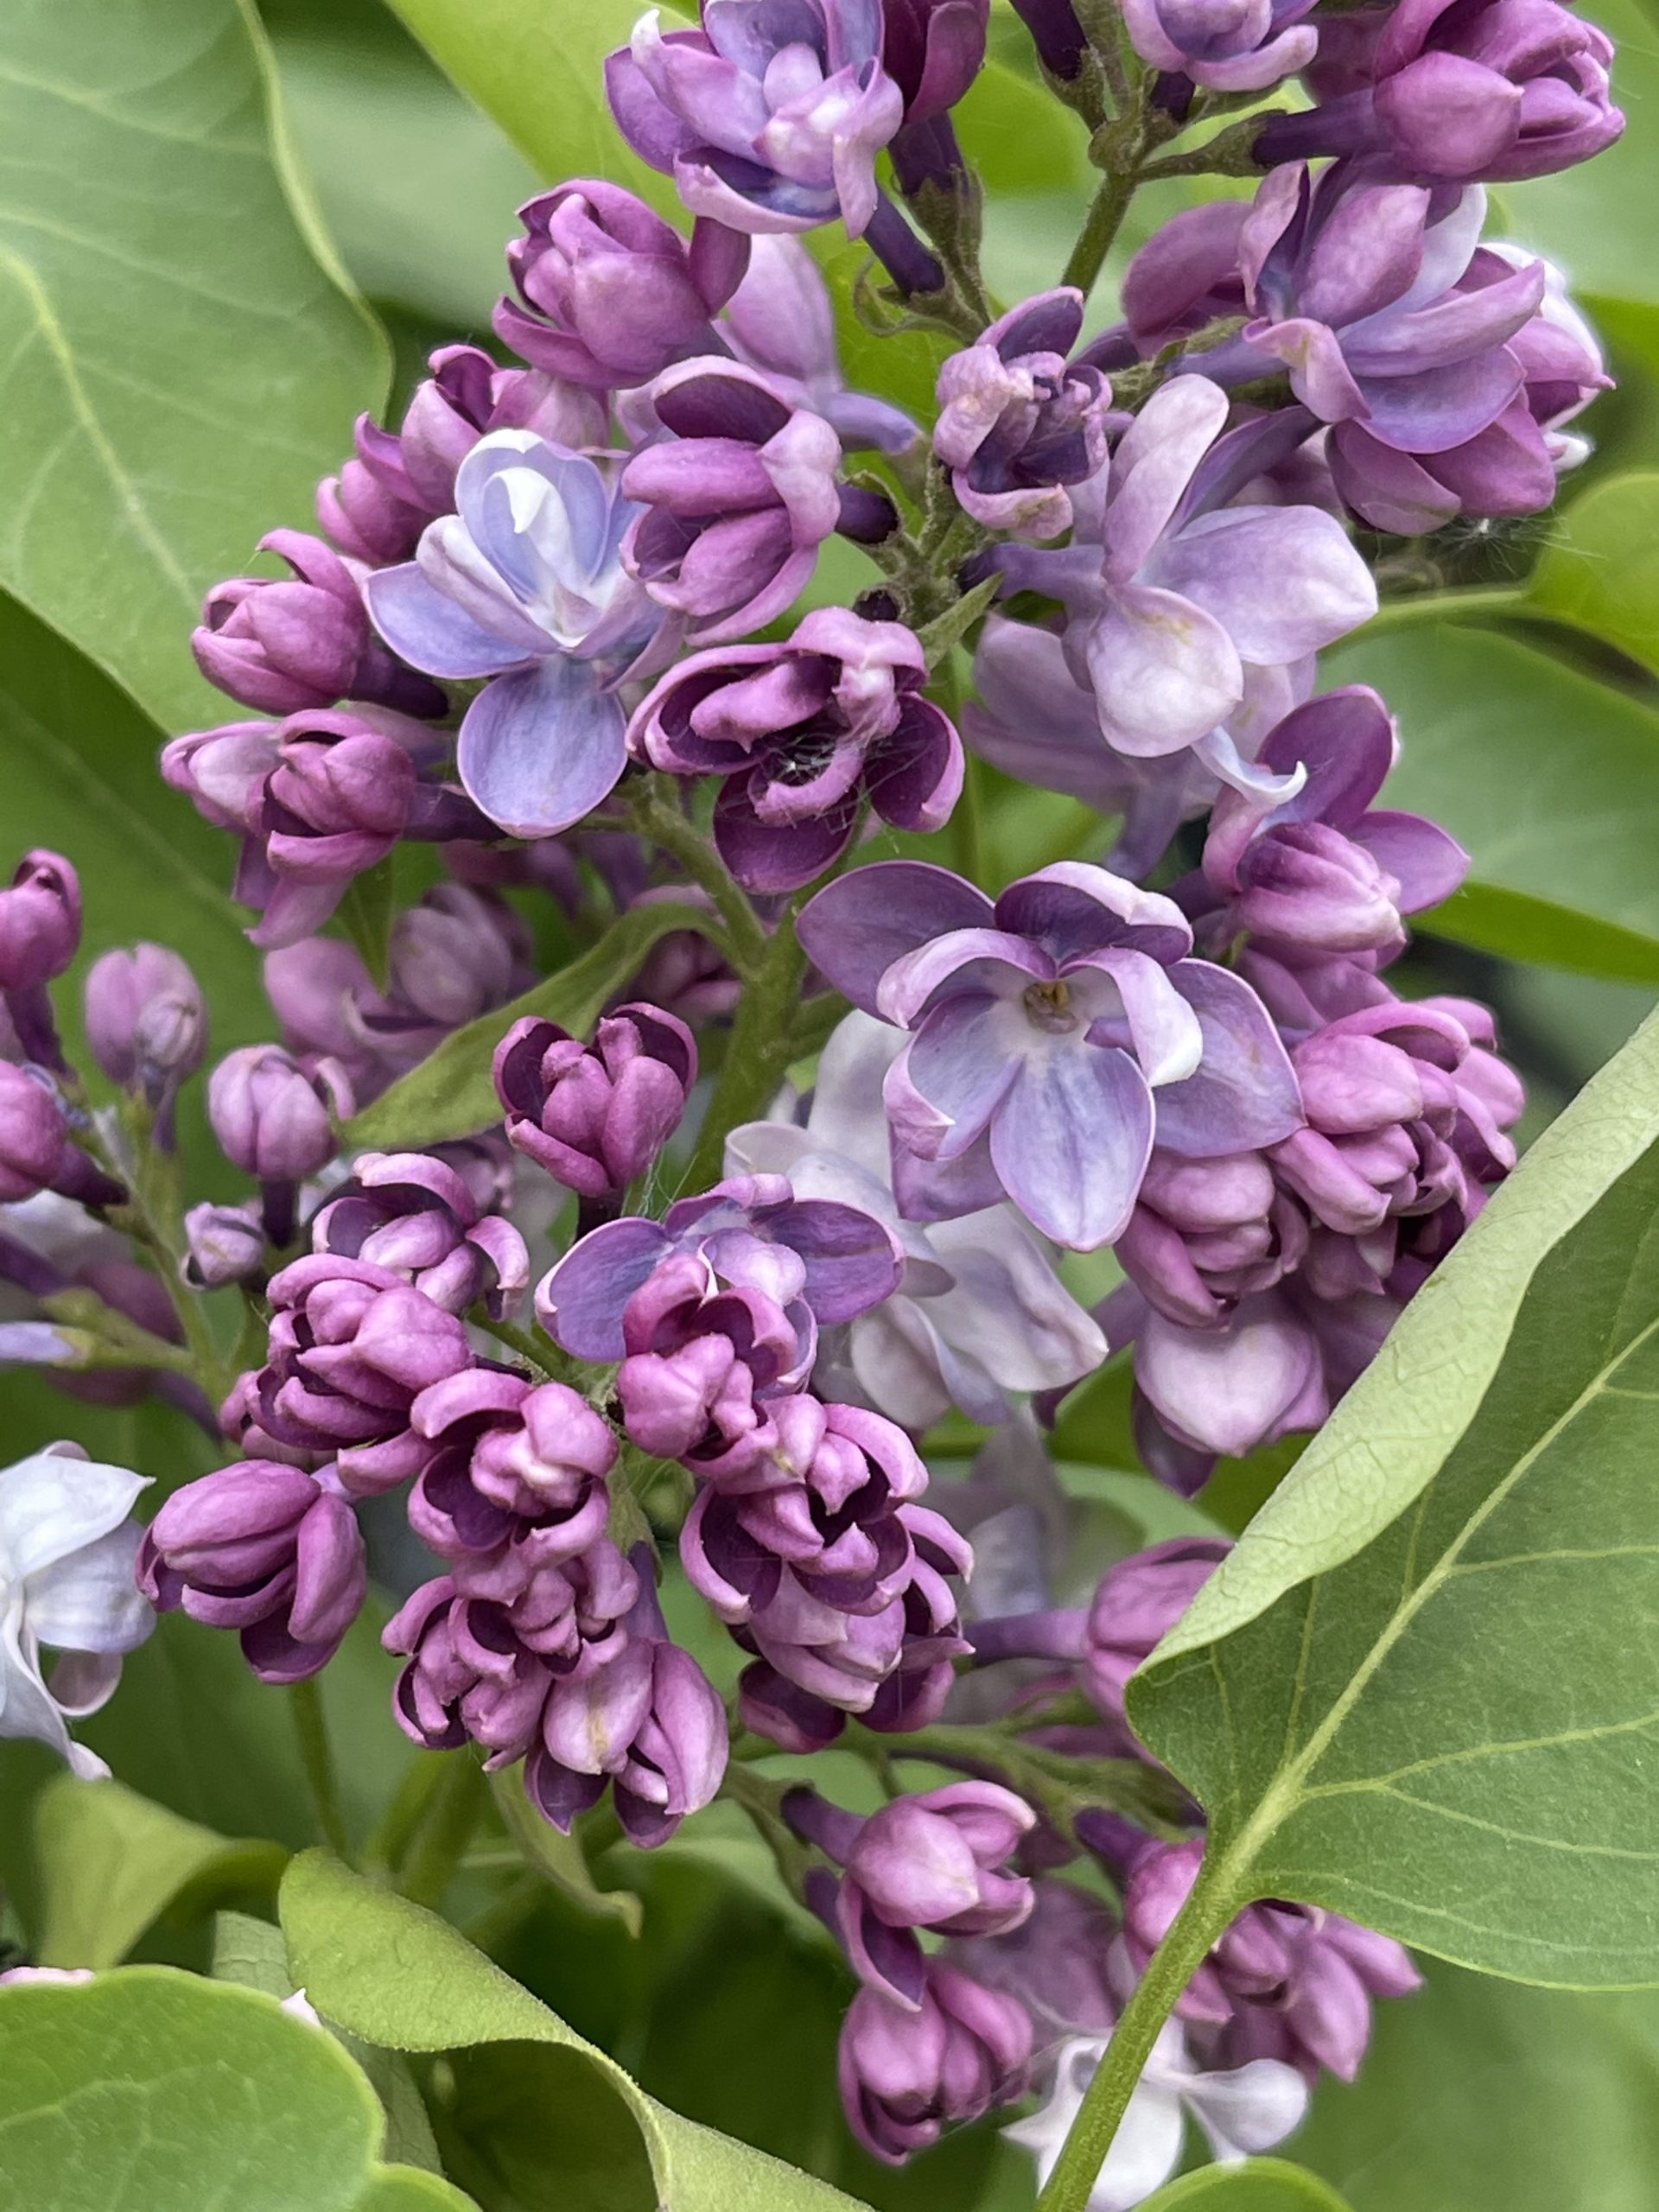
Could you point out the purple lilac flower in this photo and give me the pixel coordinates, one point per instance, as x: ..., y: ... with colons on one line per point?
x: 1206, y: 1233
x: 780, y: 320
x: 1560, y: 355
x: 1173, y: 594
x: 524, y: 585
x: 1228, y: 46
x: 908, y: 2072
x: 414, y: 1212
x: 222, y: 1245
x: 803, y: 732
x: 609, y: 294
x: 1050, y: 1033
x: 1056, y: 34
x: 596, y: 1115
x: 276, y: 1120
x: 306, y: 642
x: 933, y: 50
x: 1497, y: 89
x: 36, y: 1151
x: 40, y: 935
x: 1323, y: 872
x: 937, y: 1859
x: 767, y: 118
x: 266, y: 1549
x: 1284, y: 1981
x: 736, y: 503
x: 512, y: 1467
x: 146, y: 1021
x: 1016, y: 424
x: 352, y: 1346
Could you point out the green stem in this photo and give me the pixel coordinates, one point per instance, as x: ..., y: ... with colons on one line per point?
x: 440, y: 1843
x: 1200, y: 1920
x: 540, y: 1354
x: 1111, y: 205
x: 759, y: 1051
x: 396, y: 1826
x: 317, y: 1760
x: 660, y: 820
x: 1437, y: 607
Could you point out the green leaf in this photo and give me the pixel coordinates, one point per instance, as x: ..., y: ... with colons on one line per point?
x: 397, y: 1976
x: 184, y: 362
x: 1550, y: 780
x: 450, y: 1094
x: 559, y: 1857
x: 537, y: 66
x: 1259, y: 2185
x: 1479, y: 2096
x: 111, y: 1863
x: 151, y: 2090
x: 365, y: 913
x: 1423, y: 1690
x: 1600, y: 569
x: 251, y: 1953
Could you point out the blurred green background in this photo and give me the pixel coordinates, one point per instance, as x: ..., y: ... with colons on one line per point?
x: 223, y: 233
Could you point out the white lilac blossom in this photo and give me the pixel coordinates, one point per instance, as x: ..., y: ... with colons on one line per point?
x: 68, y: 1545
x: 1243, y: 2110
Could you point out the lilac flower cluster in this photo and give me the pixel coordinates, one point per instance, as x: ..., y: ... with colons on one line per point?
x: 808, y: 1178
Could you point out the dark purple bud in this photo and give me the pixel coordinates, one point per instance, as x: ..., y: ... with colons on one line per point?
x: 289, y: 646
x: 908, y: 2072
x: 1056, y: 34
x: 272, y: 1118
x: 223, y: 1244
x: 610, y: 295
x: 146, y: 1020
x: 266, y: 1549
x: 933, y: 50
x: 40, y: 922
x: 34, y: 1135
x: 596, y: 1116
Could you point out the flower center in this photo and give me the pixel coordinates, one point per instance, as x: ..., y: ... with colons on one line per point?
x: 1048, y: 1005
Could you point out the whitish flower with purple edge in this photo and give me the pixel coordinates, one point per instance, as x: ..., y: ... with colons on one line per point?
x: 524, y: 585
x: 769, y: 117
x: 68, y: 1545
x: 1246, y: 2110
x: 1173, y: 594
x: 979, y: 1312
x: 1053, y: 1032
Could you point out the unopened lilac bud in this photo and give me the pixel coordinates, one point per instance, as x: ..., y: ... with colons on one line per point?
x: 909, y: 2072
x: 40, y: 922
x: 273, y: 1119
x: 1056, y: 34
x: 933, y: 50
x: 1017, y: 424
x: 223, y: 1244
x: 596, y: 1116
x: 1138, y: 1602
x: 146, y: 1021
x: 264, y: 1548
x: 34, y: 1136
x: 455, y: 955
x: 285, y: 646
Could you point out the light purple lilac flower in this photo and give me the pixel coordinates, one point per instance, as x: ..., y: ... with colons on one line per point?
x: 979, y: 1311
x: 266, y: 1549
x: 524, y: 585
x: 781, y: 322
x: 1016, y: 424
x: 768, y: 117
x: 222, y: 1245
x: 277, y: 1120
x: 1228, y: 46
x: 1051, y: 1032
x: 1173, y: 594
x: 596, y: 1115
x: 416, y: 1213
x: 1497, y: 89
x: 804, y: 734
x: 731, y: 509
x: 608, y: 293
x: 36, y: 1151
x: 146, y: 1021
x: 908, y: 2072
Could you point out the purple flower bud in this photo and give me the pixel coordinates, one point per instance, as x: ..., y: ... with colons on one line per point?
x: 459, y: 954
x: 738, y: 501
x: 352, y: 1347
x: 596, y: 1116
x: 511, y: 1466
x: 1206, y: 1233
x: 468, y: 1678
x: 767, y: 120
x: 266, y: 1549
x: 933, y: 50
x: 222, y: 771
x: 781, y: 321
x: 1498, y: 90
x: 909, y: 2072
x: 40, y: 922
x: 1137, y: 1604
x: 611, y: 294
x: 804, y: 734
x: 1056, y: 34
x: 1224, y: 45
x: 223, y: 1244
x: 1016, y: 424
x: 413, y: 1213
x: 34, y: 1135
x: 272, y: 1118
x: 288, y: 647
x: 146, y: 1022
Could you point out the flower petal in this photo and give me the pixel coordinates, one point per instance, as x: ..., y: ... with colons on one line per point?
x: 1071, y: 1140
x: 1243, y: 1092
x: 541, y: 747
x: 855, y: 928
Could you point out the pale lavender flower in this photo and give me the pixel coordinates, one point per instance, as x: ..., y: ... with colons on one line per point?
x: 1017, y: 423
x: 1228, y: 46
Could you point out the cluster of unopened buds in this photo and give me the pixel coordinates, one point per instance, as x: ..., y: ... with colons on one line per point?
x: 531, y: 635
